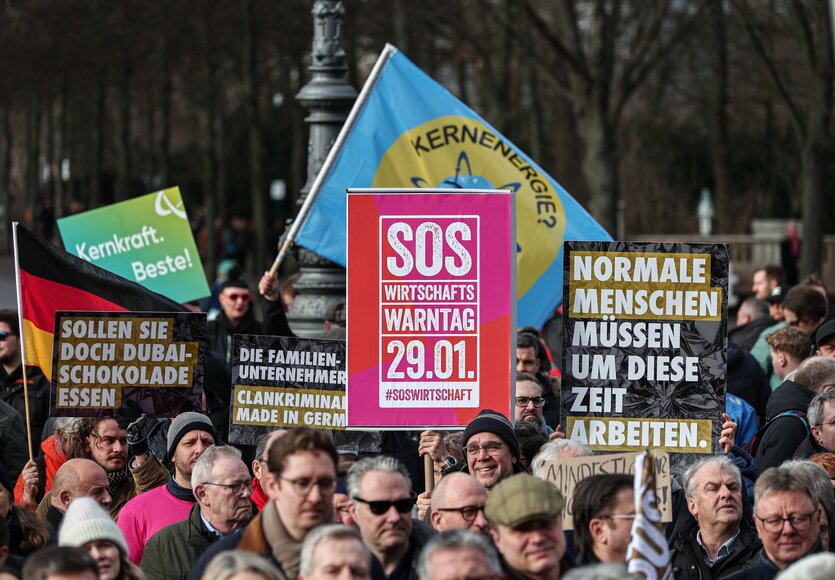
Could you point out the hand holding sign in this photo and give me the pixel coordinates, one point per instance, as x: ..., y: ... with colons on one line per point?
x: 726, y: 439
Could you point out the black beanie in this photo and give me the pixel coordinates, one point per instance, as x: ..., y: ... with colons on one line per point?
x: 236, y: 283
x: 490, y: 421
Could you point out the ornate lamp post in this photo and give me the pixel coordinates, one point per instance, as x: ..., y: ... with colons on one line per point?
x: 328, y: 97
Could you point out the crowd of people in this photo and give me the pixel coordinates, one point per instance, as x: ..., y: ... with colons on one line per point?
x: 131, y: 497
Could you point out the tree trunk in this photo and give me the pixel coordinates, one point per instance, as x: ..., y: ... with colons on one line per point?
x: 600, y: 168
x: 97, y: 165
x: 256, y: 146
x: 208, y: 153
x: 33, y: 145
x: 727, y: 220
x: 166, y: 91
x: 63, y: 190
x: 123, y: 164
x: 6, y: 182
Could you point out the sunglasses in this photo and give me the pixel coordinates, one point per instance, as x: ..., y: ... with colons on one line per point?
x: 378, y: 508
x: 4, y: 334
x: 236, y: 297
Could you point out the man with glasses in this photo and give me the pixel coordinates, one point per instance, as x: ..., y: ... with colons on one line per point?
x: 237, y: 317
x: 604, y: 509
x: 787, y: 516
x: 11, y: 378
x: 529, y: 401
x: 821, y: 415
x: 221, y: 484
x: 458, y: 504
x: 720, y: 540
x: 382, y: 499
x: 491, y: 448
x: 300, y: 482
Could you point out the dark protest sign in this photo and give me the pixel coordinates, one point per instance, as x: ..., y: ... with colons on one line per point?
x: 644, y: 357
x: 567, y: 473
x: 285, y: 382
x: 103, y: 359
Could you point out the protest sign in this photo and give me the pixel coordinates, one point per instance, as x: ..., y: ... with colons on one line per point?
x: 102, y: 359
x: 431, y: 306
x: 285, y: 382
x: 568, y: 472
x: 147, y: 239
x: 644, y: 358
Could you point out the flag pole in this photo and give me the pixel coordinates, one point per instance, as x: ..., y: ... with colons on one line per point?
x: 22, y: 342
x: 387, y: 53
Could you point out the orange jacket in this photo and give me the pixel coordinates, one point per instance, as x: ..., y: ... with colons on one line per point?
x: 53, y: 459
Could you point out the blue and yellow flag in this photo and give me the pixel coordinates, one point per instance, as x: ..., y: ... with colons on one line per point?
x: 406, y: 130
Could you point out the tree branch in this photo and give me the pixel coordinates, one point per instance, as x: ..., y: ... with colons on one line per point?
x: 745, y: 14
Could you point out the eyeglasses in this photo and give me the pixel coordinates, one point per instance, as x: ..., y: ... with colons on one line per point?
x: 799, y: 522
x: 468, y: 512
x: 235, y: 488
x: 830, y: 424
x: 303, y: 485
x: 491, y: 448
x: 616, y: 517
x: 5, y: 334
x: 236, y: 297
x: 380, y: 507
x: 523, y: 401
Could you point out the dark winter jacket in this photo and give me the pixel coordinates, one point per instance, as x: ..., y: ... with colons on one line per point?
x: 808, y: 448
x: 13, y: 451
x: 761, y: 568
x: 745, y: 336
x: 784, y: 435
x: 11, y: 392
x: 689, y: 561
x: 407, y: 569
x: 171, y: 553
x: 220, y: 331
x: 747, y: 380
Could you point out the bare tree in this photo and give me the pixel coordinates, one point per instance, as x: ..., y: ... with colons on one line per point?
x: 809, y: 23
x: 609, y: 48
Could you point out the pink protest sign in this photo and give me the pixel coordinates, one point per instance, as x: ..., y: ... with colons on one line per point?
x: 431, y: 306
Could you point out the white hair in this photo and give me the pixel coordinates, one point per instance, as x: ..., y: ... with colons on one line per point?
x: 328, y: 532
x: 555, y: 450
x: 814, y: 567
x: 202, y: 470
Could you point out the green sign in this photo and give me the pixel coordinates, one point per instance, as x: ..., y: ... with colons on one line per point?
x: 147, y: 239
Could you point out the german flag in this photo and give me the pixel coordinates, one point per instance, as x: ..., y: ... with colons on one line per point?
x: 52, y: 280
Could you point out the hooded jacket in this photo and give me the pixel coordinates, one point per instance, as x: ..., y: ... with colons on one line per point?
x: 784, y: 435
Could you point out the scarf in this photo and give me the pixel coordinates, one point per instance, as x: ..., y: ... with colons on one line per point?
x: 179, y: 491
x: 259, y: 498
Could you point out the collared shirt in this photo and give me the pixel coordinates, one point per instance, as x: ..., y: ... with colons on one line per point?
x: 211, y: 528
x: 723, y: 552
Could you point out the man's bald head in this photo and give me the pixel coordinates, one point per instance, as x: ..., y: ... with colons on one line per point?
x: 77, y: 478
x: 458, y: 503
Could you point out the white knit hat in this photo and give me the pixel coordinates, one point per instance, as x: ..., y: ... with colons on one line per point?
x: 86, y: 521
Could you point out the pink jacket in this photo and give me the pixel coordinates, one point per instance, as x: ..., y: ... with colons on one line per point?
x: 148, y: 513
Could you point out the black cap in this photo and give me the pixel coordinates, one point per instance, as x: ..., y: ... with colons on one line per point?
x: 236, y: 283
x: 777, y: 294
x: 825, y: 332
